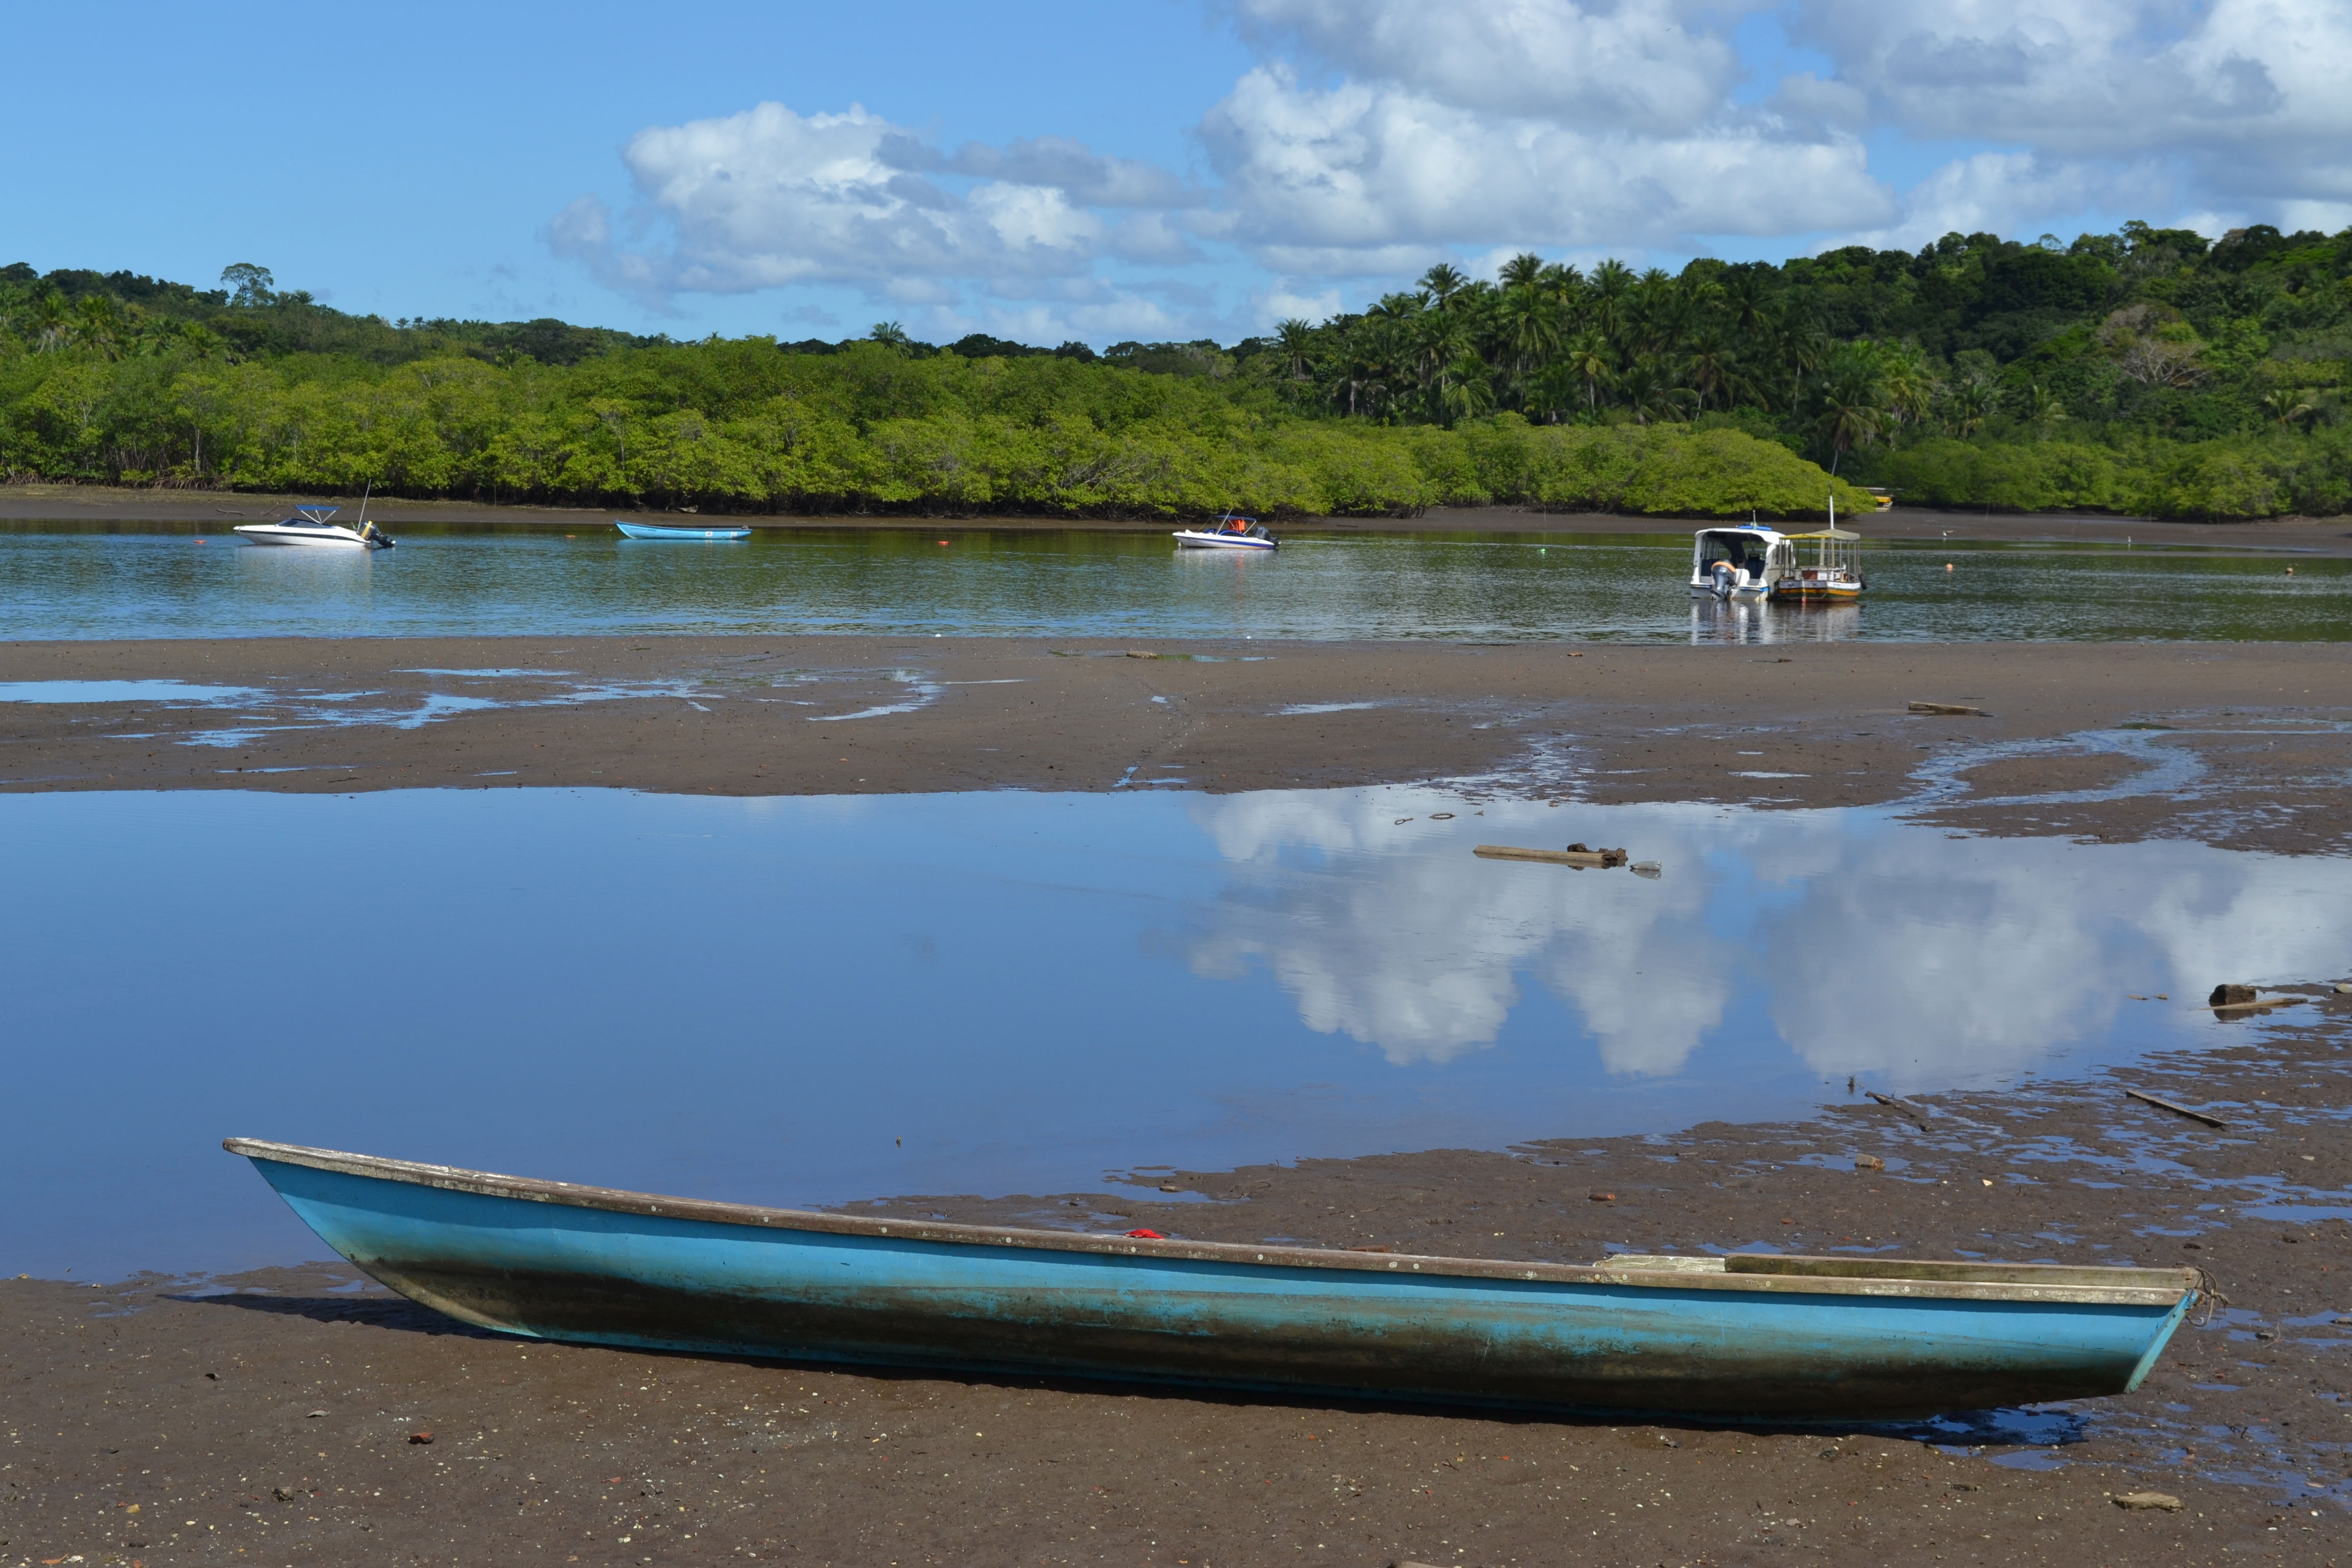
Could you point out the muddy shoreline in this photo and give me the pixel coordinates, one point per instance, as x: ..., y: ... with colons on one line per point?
x: 225, y: 509
x: 277, y: 1412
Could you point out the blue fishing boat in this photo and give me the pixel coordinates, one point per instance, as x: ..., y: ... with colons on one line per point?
x: 665, y: 530
x: 1750, y: 1337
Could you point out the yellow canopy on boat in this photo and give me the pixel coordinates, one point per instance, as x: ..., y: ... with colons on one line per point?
x: 1831, y: 532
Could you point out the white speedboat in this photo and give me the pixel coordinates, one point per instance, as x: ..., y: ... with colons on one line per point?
x: 1231, y: 532
x: 1740, y: 563
x: 309, y: 525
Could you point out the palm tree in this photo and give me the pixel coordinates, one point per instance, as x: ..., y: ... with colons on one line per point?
x: 52, y: 322
x: 1530, y: 325
x: 1612, y: 280
x: 2038, y: 406
x: 1589, y: 361
x: 2286, y: 407
x: 1442, y: 283
x: 890, y: 335
x: 1853, y: 407
x: 1800, y: 347
x: 1969, y: 404
x: 1646, y: 388
x: 1551, y: 392
x: 1295, y: 337
x: 1524, y: 270
x: 98, y: 325
x: 1464, y: 388
x: 1747, y: 304
x: 1436, y: 341
x: 1359, y: 378
x: 1713, y: 367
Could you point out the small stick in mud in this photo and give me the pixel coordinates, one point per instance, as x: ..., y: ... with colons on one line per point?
x: 1954, y: 710
x: 1575, y: 855
x: 2240, y: 998
x: 1918, y: 1117
x: 2163, y: 1104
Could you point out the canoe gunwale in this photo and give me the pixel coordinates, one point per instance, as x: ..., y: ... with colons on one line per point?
x: 2047, y: 1283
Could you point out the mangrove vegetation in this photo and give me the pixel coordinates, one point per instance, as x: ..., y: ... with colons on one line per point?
x: 2147, y: 371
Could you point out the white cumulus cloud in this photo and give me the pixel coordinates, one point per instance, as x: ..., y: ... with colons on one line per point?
x: 1368, y: 178
x: 2161, y: 106
x: 1370, y: 138
x: 771, y: 197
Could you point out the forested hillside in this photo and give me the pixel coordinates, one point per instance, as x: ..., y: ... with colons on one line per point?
x: 2146, y: 371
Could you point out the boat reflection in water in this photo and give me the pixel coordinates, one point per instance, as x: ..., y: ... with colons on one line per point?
x: 1756, y: 621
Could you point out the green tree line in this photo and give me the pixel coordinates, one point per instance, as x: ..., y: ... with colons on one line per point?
x: 2147, y: 371
x: 2144, y: 370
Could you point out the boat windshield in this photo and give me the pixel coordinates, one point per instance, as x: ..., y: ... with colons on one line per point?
x: 1739, y: 547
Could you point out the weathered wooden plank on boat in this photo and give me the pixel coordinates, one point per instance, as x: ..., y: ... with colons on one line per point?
x: 2163, y: 1104
x: 1765, y: 1339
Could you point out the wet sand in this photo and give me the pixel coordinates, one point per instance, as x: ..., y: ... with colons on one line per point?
x: 2245, y: 746
x: 272, y: 1418
x: 197, y: 1405
x: 99, y: 504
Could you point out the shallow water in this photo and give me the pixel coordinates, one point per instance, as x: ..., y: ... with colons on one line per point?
x: 809, y: 1000
x: 62, y: 580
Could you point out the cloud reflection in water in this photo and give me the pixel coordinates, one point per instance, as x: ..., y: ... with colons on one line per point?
x: 1858, y: 942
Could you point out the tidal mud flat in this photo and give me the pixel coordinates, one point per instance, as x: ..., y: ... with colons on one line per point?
x: 194, y: 1398
x: 306, y: 1413
x: 2240, y: 745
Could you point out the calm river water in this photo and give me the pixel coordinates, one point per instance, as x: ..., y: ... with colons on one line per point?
x: 62, y: 580
x: 811, y: 999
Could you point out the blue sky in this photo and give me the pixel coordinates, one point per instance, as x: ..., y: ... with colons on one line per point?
x: 1154, y: 168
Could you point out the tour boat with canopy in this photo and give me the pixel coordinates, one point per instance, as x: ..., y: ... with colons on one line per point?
x: 1231, y: 532
x: 1833, y: 576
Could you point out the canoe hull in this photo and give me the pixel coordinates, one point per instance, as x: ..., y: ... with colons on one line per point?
x: 554, y: 1270
x: 664, y: 531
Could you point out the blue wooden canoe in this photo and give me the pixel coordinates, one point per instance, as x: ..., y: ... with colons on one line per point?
x: 1750, y: 1337
x: 664, y: 531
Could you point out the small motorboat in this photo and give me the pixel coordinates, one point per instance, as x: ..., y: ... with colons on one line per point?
x: 1748, y: 1336
x: 309, y: 525
x: 1738, y: 562
x: 1231, y: 532
x: 665, y: 531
